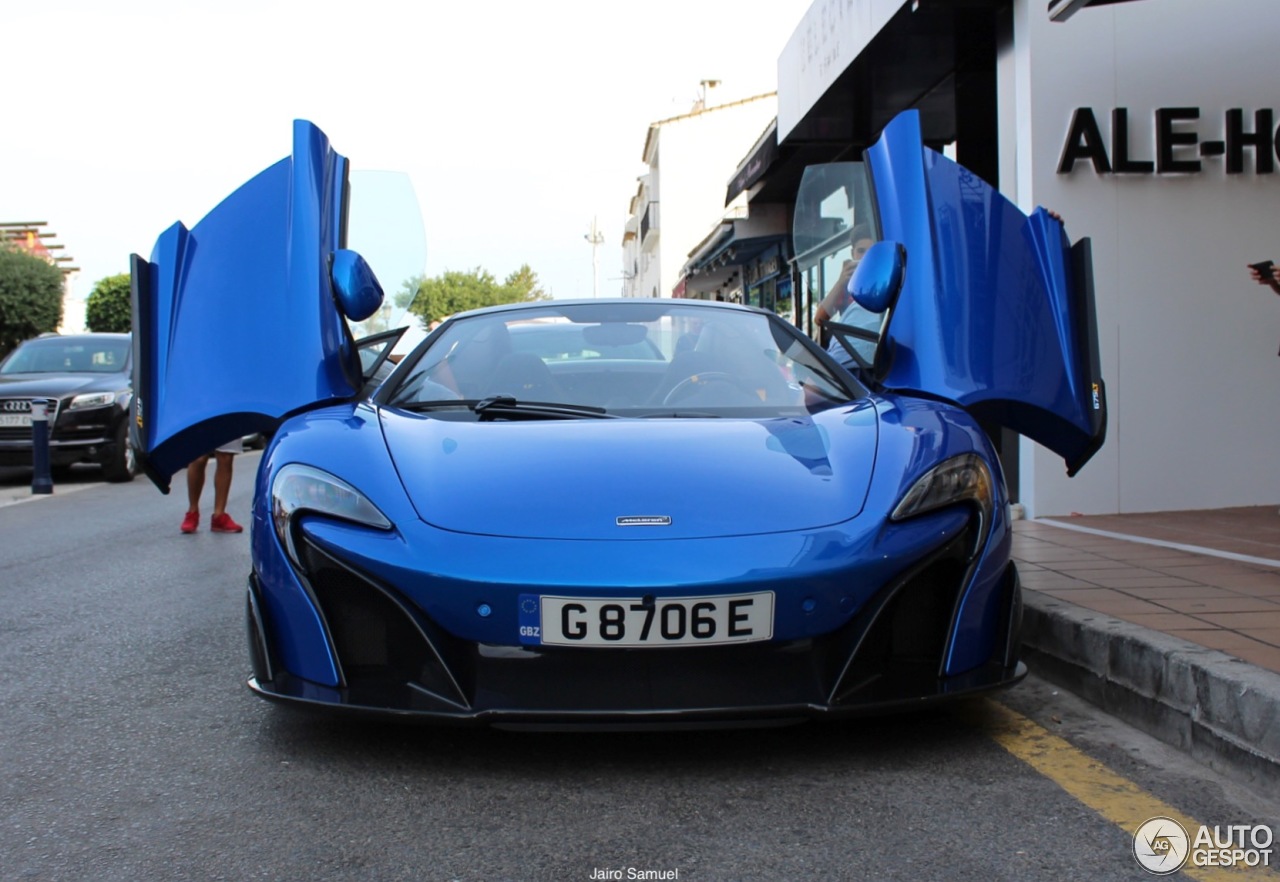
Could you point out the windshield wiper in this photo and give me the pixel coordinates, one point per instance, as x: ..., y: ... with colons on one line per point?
x: 435, y: 404
x: 506, y: 406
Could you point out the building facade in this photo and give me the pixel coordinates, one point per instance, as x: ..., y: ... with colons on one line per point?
x: 34, y: 238
x: 689, y: 158
x: 1163, y: 152
x: 1150, y: 126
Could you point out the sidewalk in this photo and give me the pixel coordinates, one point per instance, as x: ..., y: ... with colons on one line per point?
x: 1169, y: 620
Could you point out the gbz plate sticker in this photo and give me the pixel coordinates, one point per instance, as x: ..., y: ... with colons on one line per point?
x: 530, y: 623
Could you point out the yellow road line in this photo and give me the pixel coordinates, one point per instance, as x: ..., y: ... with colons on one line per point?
x: 1117, y: 799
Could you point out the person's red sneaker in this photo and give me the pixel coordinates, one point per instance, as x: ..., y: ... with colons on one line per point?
x: 222, y: 523
x: 191, y: 522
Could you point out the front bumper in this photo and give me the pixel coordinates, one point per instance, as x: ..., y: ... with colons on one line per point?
x: 907, y: 691
x: 396, y: 661
x: 87, y: 435
x: 94, y: 450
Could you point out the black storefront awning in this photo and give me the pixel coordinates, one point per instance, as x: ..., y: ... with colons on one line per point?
x: 756, y: 165
x: 919, y: 59
x: 722, y: 258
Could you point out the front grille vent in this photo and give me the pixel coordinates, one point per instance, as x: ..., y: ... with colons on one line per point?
x: 377, y: 641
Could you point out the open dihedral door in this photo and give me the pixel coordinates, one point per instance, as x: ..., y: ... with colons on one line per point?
x: 996, y: 310
x: 235, y: 324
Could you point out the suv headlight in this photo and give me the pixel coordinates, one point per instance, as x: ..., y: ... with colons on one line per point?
x: 91, y: 399
x: 298, y: 489
x: 964, y: 478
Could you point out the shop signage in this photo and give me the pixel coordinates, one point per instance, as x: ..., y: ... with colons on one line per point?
x: 1245, y: 145
x: 761, y: 270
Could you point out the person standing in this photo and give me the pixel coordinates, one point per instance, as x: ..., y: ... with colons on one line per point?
x: 838, y: 297
x: 221, y: 522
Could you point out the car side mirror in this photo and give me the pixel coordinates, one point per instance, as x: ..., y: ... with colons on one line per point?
x: 878, y: 279
x: 355, y: 286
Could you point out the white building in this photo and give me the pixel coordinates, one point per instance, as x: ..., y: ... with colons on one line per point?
x: 1190, y: 197
x: 1151, y: 126
x: 32, y: 237
x: 683, y: 194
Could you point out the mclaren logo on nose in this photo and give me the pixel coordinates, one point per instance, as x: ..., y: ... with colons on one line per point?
x: 644, y: 521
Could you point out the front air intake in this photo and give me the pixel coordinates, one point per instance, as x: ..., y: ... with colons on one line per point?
x: 900, y: 638
x: 379, y: 645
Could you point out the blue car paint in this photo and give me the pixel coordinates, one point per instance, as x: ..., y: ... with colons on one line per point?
x: 264, y: 252
x: 989, y: 315
x: 449, y: 574
x: 304, y: 645
x: 939, y: 433
x: 824, y: 550
x: 767, y: 474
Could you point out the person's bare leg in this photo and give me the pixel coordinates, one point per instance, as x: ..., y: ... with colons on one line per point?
x: 195, y: 483
x: 222, y: 482
x: 223, y: 522
x: 195, y: 486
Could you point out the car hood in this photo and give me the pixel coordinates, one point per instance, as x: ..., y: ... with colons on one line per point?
x: 635, y: 479
x: 59, y: 385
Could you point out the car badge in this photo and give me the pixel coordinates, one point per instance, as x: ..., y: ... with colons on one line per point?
x: 644, y: 521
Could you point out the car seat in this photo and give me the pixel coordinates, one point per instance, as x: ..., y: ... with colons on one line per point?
x: 525, y: 377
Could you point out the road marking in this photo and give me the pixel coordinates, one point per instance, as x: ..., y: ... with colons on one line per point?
x: 1116, y: 798
x: 15, y: 495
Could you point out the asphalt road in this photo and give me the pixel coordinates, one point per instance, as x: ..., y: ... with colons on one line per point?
x: 132, y: 750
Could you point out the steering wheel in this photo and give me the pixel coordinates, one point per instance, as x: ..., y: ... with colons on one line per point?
x: 704, y: 378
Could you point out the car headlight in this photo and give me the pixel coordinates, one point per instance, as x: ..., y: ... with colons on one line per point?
x: 299, y: 488
x: 91, y: 399
x: 964, y: 478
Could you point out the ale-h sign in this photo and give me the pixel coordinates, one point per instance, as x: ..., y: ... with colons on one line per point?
x: 1178, y: 146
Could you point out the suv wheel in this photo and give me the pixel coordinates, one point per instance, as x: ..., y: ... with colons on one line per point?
x: 122, y: 465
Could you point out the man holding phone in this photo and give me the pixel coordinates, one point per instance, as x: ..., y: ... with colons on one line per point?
x: 1266, y: 273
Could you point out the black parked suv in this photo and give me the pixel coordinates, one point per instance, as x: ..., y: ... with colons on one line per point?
x: 86, y: 378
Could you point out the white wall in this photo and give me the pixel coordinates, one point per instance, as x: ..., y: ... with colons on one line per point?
x: 699, y: 154
x: 1188, y: 342
x: 73, y: 304
x: 639, y: 279
x: 696, y: 157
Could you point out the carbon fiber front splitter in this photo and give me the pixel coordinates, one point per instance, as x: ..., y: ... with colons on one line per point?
x: 894, y: 692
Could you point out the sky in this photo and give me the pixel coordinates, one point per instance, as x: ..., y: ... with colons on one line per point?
x: 517, y: 123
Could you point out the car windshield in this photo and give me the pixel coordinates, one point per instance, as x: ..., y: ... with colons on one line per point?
x: 57, y: 355
x: 626, y: 358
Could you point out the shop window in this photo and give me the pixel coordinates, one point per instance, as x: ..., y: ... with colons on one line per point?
x: 834, y: 216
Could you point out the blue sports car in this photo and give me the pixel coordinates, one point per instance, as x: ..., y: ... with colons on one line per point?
x: 625, y: 512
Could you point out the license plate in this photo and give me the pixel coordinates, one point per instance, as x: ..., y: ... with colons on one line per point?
x: 15, y: 420
x: 641, y: 621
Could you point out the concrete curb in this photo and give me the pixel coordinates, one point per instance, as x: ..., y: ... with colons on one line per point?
x: 1223, y: 711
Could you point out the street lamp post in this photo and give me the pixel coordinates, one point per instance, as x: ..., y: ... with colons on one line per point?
x: 596, y: 238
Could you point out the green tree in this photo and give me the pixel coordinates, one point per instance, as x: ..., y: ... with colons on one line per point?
x: 108, y: 306
x: 524, y: 283
x: 441, y: 296
x: 30, y: 297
